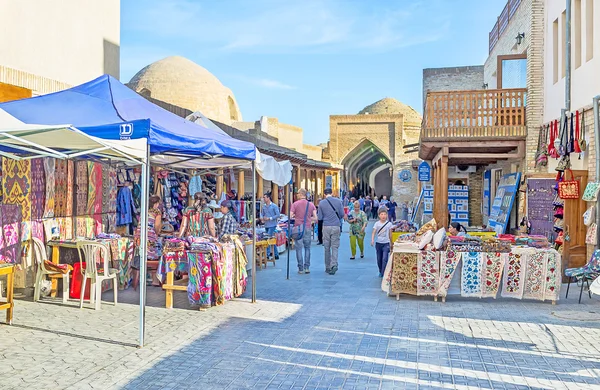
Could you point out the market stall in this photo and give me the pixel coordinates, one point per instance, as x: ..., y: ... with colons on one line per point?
x: 425, y: 264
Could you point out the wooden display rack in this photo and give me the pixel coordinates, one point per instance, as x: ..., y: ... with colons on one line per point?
x: 9, y: 305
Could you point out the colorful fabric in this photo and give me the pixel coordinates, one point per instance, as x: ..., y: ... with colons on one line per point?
x: 471, y: 275
x: 172, y: 261
x: 81, y: 183
x: 386, y: 281
x: 71, y: 190
x: 448, y: 263
x: 514, y: 272
x: 201, y: 278
x: 198, y: 221
x: 553, y: 276
x: 152, y: 247
x: 38, y: 193
x: 228, y: 254
x: 112, y: 187
x: 240, y: 274
x: 404, y: 273
x: 360, y: 220
x: 16, y: 184
x: 80, y: 227
x: 535, y: 275
x: 94, y: 205
x: 49, y: 169
x: 218, y: 275
x: 493, y: 264
x: 10, y: 239
x: 105, y: 188
x: 428, y: 273
x: 61, y: 189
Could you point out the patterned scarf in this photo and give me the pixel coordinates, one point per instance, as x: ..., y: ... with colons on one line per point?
x: 49, y: 169
x: 429, y: 272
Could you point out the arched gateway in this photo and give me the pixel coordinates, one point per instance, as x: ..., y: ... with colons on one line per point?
x: 370, y: 146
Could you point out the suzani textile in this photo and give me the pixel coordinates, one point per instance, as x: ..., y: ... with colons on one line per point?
x: 81, y: 184
x: 428, y: 273
x: 38, y: 194
x: 49, y: 169
x: 10, y: 239
x: 471, y: 275
x: 532, y: 274
x: 514, y: 272
x: 404, y: 273
x: 200, y: 282
x: 493, y: 265
x: 448, y: 263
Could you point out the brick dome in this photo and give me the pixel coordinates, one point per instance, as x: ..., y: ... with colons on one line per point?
x: 392, y: 106
x: 184, y: 83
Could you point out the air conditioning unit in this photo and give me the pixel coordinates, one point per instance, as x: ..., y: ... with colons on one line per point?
x: 466, y: 169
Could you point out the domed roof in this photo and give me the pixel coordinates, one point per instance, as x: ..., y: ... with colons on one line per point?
x: 392, y: 106
x: 183, y: 83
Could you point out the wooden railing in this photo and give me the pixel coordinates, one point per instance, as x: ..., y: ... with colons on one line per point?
x: 492, y: 113
x: 502, y: 23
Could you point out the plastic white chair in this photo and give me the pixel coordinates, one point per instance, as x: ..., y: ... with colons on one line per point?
x: 91, y: 250
x: 39, y: 250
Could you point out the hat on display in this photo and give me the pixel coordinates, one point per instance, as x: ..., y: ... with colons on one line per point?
x: 218, y: 215
x: 213, y: 204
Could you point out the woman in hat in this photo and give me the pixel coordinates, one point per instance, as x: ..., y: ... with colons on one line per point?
x: 198, y: 219
x: 229, y: 223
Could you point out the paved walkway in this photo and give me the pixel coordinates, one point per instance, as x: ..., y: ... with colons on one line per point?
x: 310, y: 332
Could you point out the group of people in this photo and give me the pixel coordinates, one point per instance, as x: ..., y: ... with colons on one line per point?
x: 371, y: 207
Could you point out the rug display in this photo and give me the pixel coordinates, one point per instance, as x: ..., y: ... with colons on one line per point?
x: 404, y: 273
x: 49, y: 170
x: 81, y: 186
x: 428, y: 273
x: 200, y: 274
x: 61, y: 189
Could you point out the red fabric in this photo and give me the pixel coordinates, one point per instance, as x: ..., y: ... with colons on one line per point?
x: 76, y: 281
x: 577, y: 134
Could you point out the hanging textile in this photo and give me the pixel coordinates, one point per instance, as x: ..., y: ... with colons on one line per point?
x: 428, y: 274
x: 49, y: 169
x: 60, y: 188
x: 493, y: 265
x: 81, y: 183
x: 514, y: 270
x: 16, y: 184
x: 105, y: 188
x: 228, y: 255
x: 70, y: 203
x: 10, y: 239
x: 448, y: 263
x: 471, y: 275
x: 112, y: 199
x: 240, y: 275
x: 38, y: 193
x: 404, y: 273
x: 94, y: 205
x: 200, y: 274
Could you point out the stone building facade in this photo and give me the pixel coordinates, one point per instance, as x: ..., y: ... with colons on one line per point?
x: 372, y: 143
x: 457, y: 78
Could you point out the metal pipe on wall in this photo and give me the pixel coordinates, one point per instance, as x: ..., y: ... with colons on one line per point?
x: 597, y: 150
x: 568, y: 58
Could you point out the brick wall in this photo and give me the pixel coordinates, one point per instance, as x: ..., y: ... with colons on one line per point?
x: 475, y: 197
x: 458, y: 78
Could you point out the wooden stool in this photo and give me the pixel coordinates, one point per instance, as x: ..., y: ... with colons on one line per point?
x: 8, y: 270
x: 261, y: 254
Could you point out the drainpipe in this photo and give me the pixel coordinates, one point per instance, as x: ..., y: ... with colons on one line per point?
x: 568, y: 59
x: 597, y: 150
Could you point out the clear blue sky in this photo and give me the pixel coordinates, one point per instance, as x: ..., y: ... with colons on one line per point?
x: 303, y: 60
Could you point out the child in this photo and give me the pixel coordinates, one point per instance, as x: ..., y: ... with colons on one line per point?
x: 381, y: 238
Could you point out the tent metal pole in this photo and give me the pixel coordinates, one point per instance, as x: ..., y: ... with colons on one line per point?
x: 254, y: 231
x: 145, y: 179
x: 289, y: 230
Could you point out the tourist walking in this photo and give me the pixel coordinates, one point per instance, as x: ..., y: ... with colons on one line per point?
x: 391, y: 205
x: 361, y: 201
x: 368, y: 206
x: 375, y: 207
x: 332, y: 213
x: 381, y: 238
x: 304, y: 213
x: 269, y: 215
x: 358, y: 221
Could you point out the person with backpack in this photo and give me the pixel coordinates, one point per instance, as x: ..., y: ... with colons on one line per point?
x: 381, y: 239
x: 332, y: 213
x: 304, y: 214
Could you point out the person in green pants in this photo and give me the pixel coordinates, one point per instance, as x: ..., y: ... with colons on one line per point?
x: 358, y: 221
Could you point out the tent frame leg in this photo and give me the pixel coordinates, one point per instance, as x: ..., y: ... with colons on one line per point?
x: 145, y: 182
x: 254, y: 231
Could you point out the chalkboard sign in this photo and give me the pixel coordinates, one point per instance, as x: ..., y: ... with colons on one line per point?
x: 504, y: 201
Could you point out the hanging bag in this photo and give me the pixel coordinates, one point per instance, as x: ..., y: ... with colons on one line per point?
x: 571, y: 137
x: 569, y: 189
x: 552, y: 151
x: 541, y: 159
x: 562, y: 139
x: 591, y: 192
x: 563, y: 164
x: 591, y: 238
x: 577, y: 148
x: 582, y: 143
x: 298, y: 231
x: 589, y: 216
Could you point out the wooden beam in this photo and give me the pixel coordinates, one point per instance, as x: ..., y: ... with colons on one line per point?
x: 241, y: 183
x: 444, y: 193
x: 444, y: 151
x: 486, y: 156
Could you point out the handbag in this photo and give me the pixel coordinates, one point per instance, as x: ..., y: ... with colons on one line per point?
x: 589, y: 216
x: 560, y: 239
x: 582, y: 143
x: 552, y: 152
x: 541, y: 159
x: 561, y: 142
x: 591, y: 192
x: 576, y: 147
x: 569, y: 189
x: 571, y: 137
x: 298, y: 231
x: 564, y: 163
x: 591, y: 237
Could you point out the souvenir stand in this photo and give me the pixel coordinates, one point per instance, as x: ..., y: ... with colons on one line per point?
x: 26, y: 206
x: 106, y: 109
x: 425, y: 263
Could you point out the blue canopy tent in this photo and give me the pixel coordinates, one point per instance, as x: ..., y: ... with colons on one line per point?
x: 107, y: 109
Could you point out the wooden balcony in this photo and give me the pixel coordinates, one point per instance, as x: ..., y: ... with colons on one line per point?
x: 491, y: 120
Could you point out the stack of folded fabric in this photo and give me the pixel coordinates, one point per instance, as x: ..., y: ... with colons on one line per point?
x: 538, y: 242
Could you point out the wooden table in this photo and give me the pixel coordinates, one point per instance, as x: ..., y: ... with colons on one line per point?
x: 8, y: 270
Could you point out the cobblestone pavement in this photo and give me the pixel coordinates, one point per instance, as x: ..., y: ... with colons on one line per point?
x: 310, y: 332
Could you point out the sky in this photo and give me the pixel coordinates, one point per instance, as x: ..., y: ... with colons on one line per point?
x: 303, y: 60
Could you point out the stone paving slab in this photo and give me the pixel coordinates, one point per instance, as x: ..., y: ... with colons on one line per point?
x: 310, y: 332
